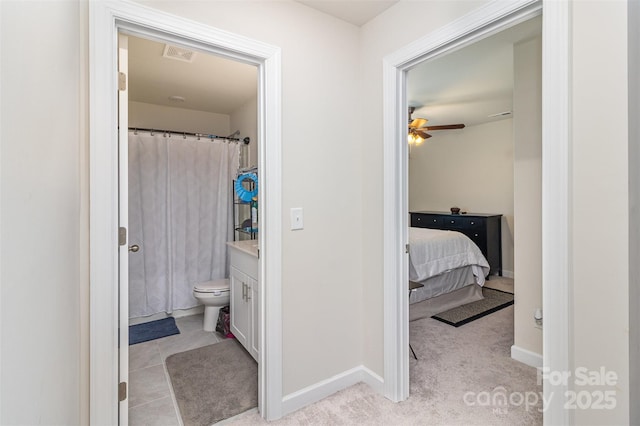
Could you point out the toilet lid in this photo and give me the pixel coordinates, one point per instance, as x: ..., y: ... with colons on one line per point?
x: 211, y: 286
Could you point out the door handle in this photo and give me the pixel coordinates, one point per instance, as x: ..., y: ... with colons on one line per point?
x: 134, y: 248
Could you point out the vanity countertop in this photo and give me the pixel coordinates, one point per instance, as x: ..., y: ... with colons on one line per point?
x: 247, y: 246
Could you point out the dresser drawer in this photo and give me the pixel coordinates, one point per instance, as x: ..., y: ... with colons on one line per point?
x: 474, y: 223
x: 454, y: 222
x: 426, y: 221
x: 479, y: 238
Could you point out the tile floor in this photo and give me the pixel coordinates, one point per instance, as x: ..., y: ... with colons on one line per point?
x: 150, y: 396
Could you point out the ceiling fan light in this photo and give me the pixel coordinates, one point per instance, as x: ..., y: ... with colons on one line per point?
x: 414, y: 139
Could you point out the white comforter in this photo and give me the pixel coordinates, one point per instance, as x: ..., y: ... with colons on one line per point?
x: 433, y: 251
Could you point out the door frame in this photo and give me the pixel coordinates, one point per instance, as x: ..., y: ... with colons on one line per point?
x: 482, y: 22
x: 106, y: 20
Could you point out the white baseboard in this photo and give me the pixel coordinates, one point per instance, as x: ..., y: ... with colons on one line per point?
x: 527, y: 357
x: 508, y: 274
x: 314, y: 393
x: 178, y: 313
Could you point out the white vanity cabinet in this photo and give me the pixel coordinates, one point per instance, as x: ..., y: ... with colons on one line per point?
x: 245, y: 295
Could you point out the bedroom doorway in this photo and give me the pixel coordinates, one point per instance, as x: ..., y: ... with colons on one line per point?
x: 472, y: 166
x: 555, y: 240
x: 476, y: 168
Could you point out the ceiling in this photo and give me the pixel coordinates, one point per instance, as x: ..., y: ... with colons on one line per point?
x: 208, y: 83
x: 465, y: 86
x: 357, y: 12
x: 470, y: 84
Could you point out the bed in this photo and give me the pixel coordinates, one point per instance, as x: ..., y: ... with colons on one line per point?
x: 449, y: 265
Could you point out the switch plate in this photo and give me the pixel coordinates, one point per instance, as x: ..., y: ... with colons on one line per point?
x: 296, y: 218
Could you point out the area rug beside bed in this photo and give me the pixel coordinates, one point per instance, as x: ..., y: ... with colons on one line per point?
x: 213, y: 383
x: 494, y: 300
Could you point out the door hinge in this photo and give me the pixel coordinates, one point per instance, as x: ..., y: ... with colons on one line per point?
x: 122, y: 81
x: 406, y: 248
x: 122, y: 236
x: 122, y: 391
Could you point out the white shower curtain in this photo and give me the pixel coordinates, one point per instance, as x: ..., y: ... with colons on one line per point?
x: 180, y: 214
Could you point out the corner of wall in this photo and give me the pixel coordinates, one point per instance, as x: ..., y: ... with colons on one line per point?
x: 634, y: 210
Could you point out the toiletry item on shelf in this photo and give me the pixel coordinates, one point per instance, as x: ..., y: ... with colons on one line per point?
x: 254, y: 213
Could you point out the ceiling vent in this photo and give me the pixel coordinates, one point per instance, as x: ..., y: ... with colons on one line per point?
x: 178, y: 53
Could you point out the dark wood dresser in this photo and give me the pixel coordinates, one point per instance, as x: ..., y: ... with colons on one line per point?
x: 483, y: 229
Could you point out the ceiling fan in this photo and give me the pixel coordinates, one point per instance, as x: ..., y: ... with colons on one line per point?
x: 418, y: 128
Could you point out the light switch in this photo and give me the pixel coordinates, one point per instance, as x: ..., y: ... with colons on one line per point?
x: 296, y: 218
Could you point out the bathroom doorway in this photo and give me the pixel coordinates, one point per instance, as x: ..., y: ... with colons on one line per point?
x: 109, y: 248
x: 192, y: 130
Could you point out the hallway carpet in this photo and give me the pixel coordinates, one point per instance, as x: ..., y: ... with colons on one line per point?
x: 459, y: 379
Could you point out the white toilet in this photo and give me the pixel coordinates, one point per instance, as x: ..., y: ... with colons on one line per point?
x: 213, y: 295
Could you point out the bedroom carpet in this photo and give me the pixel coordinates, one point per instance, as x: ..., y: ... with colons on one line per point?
x: 213, y: 383
x: 493, y: 301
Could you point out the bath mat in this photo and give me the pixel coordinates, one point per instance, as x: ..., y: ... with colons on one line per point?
x: 214, y: 382
x: 152, y: 330
x: 493, y: 301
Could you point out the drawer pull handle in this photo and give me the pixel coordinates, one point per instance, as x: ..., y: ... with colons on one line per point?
x: 473, y: 223
x: 435, y: 220
x: 475, y: 235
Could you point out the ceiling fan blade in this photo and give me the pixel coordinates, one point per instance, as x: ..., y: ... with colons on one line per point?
x: 423, y: 135
x: 417, y: 123
x: 446, y: 127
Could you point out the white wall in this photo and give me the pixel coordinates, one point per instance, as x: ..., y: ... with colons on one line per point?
x: 322, y: 264
x: 382, y: 36
x: 150, y: 116
x: 600, y: 194
x: 527, y: 141
x: 245, y: 119
x: 44, y: 281
x: 634, y: 210
x: 471, y: 168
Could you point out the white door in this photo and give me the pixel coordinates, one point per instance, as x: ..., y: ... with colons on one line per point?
x: 123, y: 219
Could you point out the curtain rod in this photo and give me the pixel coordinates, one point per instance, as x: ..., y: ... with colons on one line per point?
x: 246, y: 140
